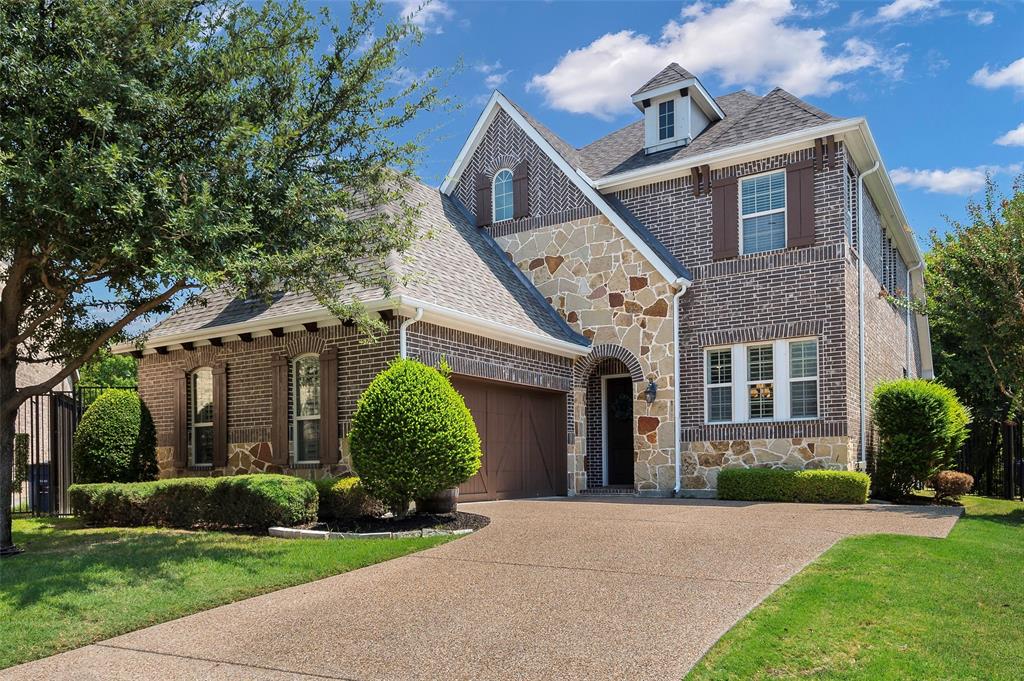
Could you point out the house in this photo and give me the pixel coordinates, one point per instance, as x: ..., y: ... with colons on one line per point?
x: 752, y: 246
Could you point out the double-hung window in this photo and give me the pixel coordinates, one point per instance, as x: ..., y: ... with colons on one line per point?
x: 719, y: 385
x: 761, y: 382
x: 306, y: 409
x: 201, y: 414
x: 667, y: 120
x: 803, y: 379
x: 763, y: 212
x: 503, y: 195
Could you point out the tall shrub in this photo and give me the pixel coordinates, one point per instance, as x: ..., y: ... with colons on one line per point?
x: 115, y: 440
x: 921, y: 427
x: 412, y: 435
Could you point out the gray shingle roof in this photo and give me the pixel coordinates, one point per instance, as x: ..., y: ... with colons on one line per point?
x: 459, y: 267
x: 673, y: 73
x: 748, y: 118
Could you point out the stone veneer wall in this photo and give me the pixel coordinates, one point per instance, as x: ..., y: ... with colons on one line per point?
x: 702, y: 461
x: 609, y: 293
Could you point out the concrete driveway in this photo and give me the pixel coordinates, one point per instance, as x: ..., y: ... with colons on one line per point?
x: 568, y: 589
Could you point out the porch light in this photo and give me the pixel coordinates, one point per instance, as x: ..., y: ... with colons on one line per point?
x: 651, y: 392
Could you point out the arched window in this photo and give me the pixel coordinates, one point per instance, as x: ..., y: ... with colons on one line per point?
x: 200, y: 411
x: 503, y: 195
x: 306, y: 409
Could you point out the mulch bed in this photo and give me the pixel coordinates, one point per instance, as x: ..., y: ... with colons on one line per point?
x: 415, y: 521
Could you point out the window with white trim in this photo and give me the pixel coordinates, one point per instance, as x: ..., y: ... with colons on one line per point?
x: 760, y: 382
x: 764, y: 381
x: 306, y: 409
x: 667, y: 120
x: 803, y: 379
x: 502, y: 195
x: 200, y: 411
x: 763, y: 212
x: 719, y: 385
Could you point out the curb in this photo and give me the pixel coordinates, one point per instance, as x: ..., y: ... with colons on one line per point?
x: 293, y: 533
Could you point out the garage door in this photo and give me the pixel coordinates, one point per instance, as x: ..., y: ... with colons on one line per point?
x: 522, y: 433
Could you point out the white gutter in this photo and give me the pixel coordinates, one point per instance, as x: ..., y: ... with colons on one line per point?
x: 677, y: 389
x: 401, y: 331
x: 916, y: 267
x: 863, y: 459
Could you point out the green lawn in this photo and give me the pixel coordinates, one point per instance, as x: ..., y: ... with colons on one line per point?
x: 74, y: 586
x: 892, y: 607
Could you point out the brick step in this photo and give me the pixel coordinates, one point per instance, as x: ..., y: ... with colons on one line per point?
x: 622, y: 490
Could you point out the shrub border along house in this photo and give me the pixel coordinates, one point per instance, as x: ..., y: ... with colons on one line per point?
x: 776, y: 484
x: 254, y: 501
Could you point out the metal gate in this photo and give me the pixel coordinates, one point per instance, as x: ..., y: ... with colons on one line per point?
x: 44, y: 430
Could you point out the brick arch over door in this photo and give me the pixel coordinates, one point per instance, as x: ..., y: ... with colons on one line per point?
x: 608, y: 351
x: 204, y: 356
x: 305, y: 344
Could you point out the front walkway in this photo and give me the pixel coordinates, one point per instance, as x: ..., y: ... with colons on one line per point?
x: 568, y: 589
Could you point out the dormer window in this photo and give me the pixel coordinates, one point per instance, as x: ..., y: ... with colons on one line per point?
x: 667, y: 119
x: 502, y: 195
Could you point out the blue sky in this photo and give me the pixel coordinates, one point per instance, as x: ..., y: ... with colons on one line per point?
x: 940, y: 82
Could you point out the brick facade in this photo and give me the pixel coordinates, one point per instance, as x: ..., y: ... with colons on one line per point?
x: 249, y: 383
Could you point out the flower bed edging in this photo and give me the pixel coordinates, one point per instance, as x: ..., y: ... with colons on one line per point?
x: 293, y: 533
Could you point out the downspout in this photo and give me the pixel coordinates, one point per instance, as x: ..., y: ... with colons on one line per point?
x: 863, y: 462
x: 910, y: 354
x: 676, y: 387
x: 401, y: 331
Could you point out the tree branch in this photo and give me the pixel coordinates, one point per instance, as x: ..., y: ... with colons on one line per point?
x: 41, y: 388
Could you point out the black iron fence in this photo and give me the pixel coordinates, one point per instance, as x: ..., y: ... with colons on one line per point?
x: 994, y: 455
x: 44, y: 432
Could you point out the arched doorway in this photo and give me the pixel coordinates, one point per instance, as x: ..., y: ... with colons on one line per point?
x: 610, y: 391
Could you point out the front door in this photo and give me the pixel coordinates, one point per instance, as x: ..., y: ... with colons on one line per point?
x: 618, y: 423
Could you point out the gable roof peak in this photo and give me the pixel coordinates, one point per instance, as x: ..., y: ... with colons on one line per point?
x: 672, y: 73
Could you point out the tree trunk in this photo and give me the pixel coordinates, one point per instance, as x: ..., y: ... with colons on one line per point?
x: 6, y: 470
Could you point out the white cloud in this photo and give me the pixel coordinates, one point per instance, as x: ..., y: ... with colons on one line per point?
x: 961, y: 181
x: 404, y: 77
x: 744, y: 43
x: 1009, y: 76
x: 495, y: 80
x: 980, y: 17
x: 427, y: 14
x: 486, y: 68
x: 899, y: 9
x: 1013, y: 138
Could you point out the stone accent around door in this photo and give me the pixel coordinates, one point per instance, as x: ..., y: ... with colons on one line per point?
x: 607, y: 291
x: 702, y: 461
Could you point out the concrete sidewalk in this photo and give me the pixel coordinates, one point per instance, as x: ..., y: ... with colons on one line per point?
x: 566, y: 588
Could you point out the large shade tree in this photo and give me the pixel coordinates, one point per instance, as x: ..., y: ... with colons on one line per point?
x: 975, y: 285
x: 151, y: 148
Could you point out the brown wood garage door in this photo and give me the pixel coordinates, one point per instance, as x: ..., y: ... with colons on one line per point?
x: 522, y: 432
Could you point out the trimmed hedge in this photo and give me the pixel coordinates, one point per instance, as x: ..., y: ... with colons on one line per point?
x: 257, y: 501
x: 345, y: 498
x: 412, y: 435
x: 921, y: 427
x: 115, y: 441
x: 776, y: 484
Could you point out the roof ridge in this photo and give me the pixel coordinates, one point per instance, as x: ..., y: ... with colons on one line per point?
x: 796, y: 101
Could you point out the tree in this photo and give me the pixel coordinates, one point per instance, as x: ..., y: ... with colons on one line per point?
x: 109, y: 371
x: 153, y: 148
x: 975, y: 285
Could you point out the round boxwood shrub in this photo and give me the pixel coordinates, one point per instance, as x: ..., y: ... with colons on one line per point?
x: 921, y: 427
x: 412, y: 435
x: 115, y: 440
x: 344, y: 499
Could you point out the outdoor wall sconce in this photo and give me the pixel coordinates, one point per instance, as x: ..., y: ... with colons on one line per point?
x: 651, y: 392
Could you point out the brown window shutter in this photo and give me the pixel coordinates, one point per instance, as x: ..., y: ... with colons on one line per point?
x: 800, y: 204
x: 725, y: 227
x: 483, y: 200
x: 220, y: 414
x: 521, y: 190
x: 279, y: 409
x: 181, y: 420
x: 329, y: 406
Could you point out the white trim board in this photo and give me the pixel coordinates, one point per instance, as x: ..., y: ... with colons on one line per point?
x: 575, y: 175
